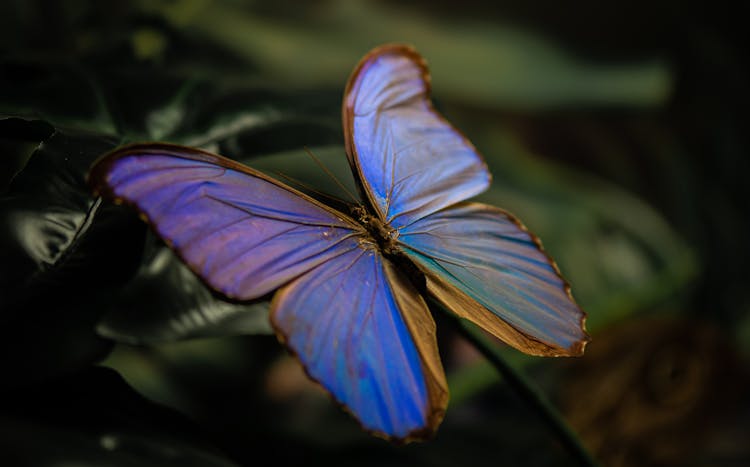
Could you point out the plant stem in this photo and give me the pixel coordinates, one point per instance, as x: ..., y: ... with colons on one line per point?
x: 528, y: 392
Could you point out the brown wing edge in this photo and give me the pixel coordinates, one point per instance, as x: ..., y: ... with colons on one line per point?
x: 347, y: 113
x: 466, y: 307
x: 421, y: 324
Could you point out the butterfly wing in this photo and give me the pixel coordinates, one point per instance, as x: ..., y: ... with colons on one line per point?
x: 346, y: 313
x: 351, y: 321
x: 484, y: 265
x: 408, y: 160
x: 414, y: 168
x: 242, y: 232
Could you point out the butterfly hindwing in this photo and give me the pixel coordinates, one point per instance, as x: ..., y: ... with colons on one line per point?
x: 241, y: 232
x: 351, y: 322
x: 483, y: 264
x: 408, y: 159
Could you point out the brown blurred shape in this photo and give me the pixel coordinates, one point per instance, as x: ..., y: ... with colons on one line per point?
x: 659, y: 391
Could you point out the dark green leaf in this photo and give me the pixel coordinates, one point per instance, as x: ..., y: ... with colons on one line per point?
x: 62, y: 95
x: 23, y: 129
x: 149, y: 104
x: 242, y: 121
x: 63, y: 251
x: 53, y: 333
x: 93, y: 418
x: 167, y: 302
x: 55, y: 234
x: 480, y: 62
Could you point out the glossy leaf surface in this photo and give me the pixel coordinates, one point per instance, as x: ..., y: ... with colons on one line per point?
x: 52, y: 229
x: 166, y: 302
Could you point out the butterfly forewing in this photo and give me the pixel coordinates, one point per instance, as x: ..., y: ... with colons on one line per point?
x: 351, y: 322
x: 241, y: 232
x: 408, y: 159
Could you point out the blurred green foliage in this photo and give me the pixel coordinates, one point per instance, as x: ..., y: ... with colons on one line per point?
x: 617, y: 133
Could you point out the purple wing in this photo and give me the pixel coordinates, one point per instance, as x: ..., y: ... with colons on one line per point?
x: 408, y: 159
x: 243, y: 233
x: 357, y: 325
x: 366, y: 335
x: 483, y: 264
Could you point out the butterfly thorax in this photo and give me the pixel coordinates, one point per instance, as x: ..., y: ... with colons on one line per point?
x: 384, y: 235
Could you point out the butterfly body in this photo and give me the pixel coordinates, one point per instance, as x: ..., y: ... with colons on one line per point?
x: 349, y: 288
x: 380, y: 233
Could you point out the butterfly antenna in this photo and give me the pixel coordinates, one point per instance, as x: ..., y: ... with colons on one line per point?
x: 330, y: 175
x: 309, y: 188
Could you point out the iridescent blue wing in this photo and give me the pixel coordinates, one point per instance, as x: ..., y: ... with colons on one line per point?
x: 366, y: 335
x: 414, y: 167
x: 242, y: 232
x: 408, y: 160
x: 357, y: 325
x: 484, y: 265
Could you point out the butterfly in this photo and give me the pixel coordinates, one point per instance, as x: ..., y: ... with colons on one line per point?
x: 350, y: 288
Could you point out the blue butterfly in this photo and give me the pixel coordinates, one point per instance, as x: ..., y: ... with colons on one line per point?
x: 346, y: 300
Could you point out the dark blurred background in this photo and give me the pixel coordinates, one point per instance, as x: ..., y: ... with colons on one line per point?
x: 616, y: 130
